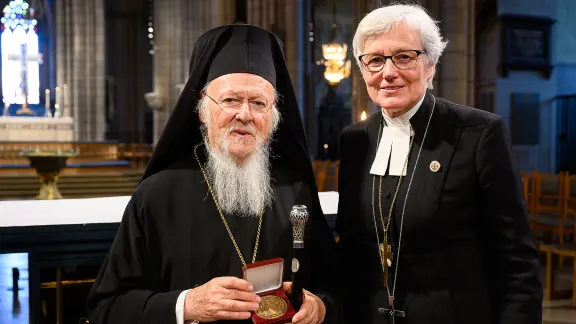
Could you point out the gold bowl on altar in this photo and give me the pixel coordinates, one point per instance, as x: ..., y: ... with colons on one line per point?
x: 48, y: 165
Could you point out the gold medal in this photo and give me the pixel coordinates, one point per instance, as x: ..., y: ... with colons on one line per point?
x: 271, y: 307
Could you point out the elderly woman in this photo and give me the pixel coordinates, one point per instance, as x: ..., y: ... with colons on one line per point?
x: 432, y: 221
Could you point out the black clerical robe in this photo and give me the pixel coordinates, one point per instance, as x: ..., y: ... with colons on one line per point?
x: 172, y: 238
x: 466, y: 254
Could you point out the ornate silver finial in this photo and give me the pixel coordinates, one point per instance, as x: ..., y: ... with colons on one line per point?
x: 298, y: 216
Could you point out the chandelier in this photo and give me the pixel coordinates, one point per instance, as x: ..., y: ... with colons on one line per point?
x: 337, y: 67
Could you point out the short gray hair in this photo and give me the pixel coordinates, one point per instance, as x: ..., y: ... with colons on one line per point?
x: 202, y: 108
x: 383, y: 19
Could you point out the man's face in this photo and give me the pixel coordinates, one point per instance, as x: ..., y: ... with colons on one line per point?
x: 393, y: 89
x: 240, y: 113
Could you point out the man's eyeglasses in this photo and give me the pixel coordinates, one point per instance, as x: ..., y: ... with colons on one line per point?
x: 233, y: 105
x: 403, y: 60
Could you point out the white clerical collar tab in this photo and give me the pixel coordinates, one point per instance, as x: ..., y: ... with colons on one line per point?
x: 394, y: 147
x: 400, y: 150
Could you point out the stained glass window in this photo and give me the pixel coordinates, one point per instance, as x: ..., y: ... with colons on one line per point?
x: 20, y: 57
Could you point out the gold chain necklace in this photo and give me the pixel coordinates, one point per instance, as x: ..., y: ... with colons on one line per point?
x: 224, y: 219
x: 385, y: 250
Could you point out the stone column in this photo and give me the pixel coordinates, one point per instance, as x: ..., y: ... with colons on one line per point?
x: 361, y: 101
x: 279, y: 17
x: 81, y: 66
x: 178, y: 23
x: 128, y: 44
x: 455, y: 73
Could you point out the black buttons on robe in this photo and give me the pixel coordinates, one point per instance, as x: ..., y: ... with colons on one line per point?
x: 387, y: 194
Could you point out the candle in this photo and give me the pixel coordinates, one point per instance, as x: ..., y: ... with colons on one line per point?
x: 47, y: 103
x: 57, y: 96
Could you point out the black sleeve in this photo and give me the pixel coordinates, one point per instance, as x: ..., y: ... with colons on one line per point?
x: 319, y: 247
x: 123, y: 291
x: 510, y: 258
x: 343, y: 187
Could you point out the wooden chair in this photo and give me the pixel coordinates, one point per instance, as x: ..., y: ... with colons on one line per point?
x: 529, y: 188
x: 565, y: 249
x: 568, y: 224
x: 59, y: 286
x: 332, y: 175
x: 548, y: 207
x: 320, y: 167
x: 326, y: 174
x: 561, y: 250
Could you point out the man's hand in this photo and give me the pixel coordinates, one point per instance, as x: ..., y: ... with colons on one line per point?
x: 312, y: 310
x: 223, y: 298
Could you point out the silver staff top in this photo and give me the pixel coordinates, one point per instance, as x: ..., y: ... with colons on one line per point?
x: 298, y: 216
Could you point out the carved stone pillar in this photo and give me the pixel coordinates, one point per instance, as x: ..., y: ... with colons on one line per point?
x: 178, y: 23
x: 80, y: 59
x: 279, y: 17
x: 456, y: 68
x: 361, y: 100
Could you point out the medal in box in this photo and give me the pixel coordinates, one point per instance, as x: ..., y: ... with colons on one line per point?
x: 267, y: 277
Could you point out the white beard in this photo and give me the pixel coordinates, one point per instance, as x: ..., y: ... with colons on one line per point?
x: 244, y: 190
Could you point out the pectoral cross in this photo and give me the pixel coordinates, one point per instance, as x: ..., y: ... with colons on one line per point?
x: 386, y: 259
x: 390, y: 312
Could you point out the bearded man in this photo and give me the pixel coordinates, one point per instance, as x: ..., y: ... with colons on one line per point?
x: 217, y: 194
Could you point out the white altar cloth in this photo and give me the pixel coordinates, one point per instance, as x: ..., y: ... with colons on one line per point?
x: 15, y: 213
x: 34, y: 129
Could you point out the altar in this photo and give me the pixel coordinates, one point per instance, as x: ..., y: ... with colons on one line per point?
x: 14, y: 128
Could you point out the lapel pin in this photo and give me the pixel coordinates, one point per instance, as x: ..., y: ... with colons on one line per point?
x: 434, y: 166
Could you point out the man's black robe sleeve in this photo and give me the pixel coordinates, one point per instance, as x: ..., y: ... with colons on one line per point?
x: 124, y: 290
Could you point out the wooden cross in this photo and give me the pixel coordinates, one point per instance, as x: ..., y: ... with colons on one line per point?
x: 386, y: 259
x: 390, y: 312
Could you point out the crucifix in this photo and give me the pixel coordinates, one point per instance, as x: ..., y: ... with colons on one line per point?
x: 24, y: 58
x: 390, y: 312
x: 386, y: 259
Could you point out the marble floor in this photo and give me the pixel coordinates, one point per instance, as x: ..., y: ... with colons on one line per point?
x: 14, y: 306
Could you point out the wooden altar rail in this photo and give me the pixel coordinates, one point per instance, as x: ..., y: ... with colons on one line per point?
x: 137, y: 154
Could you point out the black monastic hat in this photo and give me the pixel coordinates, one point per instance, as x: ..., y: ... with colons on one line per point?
x: 235, y: 49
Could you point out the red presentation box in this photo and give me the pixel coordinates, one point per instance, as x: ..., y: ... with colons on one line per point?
x: 266, y: 277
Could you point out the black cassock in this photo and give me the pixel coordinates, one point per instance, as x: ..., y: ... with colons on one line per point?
x: 466, y: 254
x: 172, y: 238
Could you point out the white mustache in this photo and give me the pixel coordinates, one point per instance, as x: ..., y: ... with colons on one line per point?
x: 250, y: 129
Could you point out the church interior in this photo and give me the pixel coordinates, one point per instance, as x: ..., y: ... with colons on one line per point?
x: 88, y: 85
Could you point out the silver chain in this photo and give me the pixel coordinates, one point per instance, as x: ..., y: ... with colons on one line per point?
x: 373, y: 207
x: 404, y: 206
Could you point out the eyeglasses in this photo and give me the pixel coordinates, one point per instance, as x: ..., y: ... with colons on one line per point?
x: 233, y: 105
x: 403, y: 60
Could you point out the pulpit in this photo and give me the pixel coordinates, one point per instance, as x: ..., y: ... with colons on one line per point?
x: 48, y: 165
